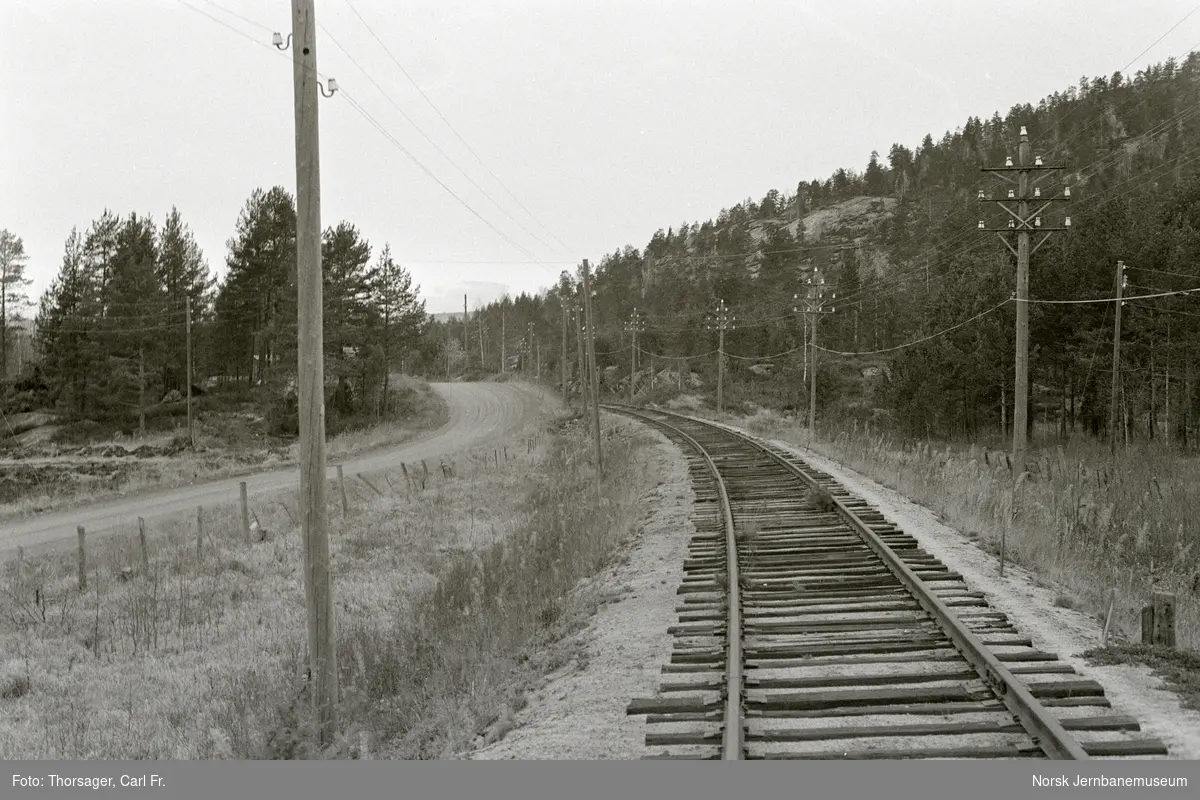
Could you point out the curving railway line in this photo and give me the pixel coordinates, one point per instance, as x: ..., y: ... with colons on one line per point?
x: 812, y: 628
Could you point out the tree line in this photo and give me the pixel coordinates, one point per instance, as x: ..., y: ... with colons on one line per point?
x: 906, y: 262
x: 112, y: 329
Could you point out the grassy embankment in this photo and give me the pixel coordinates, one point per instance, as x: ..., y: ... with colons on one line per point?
x: 82, y: 467
x: 450, y: 599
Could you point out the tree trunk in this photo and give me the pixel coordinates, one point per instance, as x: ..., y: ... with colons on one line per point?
x: 1153, y: 395
x: 1003, y: 410
x: 387, y: 365
x: 142, y: 389
x: 1062, y: 406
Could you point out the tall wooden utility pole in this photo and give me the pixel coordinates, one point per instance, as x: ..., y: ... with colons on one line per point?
x: 1022, y: 222
x: 814, y: 307
x: 721, y: 322
x: 503, y: 333
x: 317, y: 589
x: 562, y: 366
x: 466, y: 343
x: 191, y: 434
x: 633, y: 326
x: 1116, y: 362
x: 479, y: 326
x: 580, y: 360
x: 591, y: 354
x: 529, y: 351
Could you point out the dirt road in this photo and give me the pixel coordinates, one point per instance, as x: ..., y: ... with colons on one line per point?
x: 478, y: 413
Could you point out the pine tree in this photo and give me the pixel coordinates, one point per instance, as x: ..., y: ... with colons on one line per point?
x: 183, y: 276
x: 256, y: 303
x: 134, y: 328
x: 348, y: 314
x: 65, y: 325
x: 402, y: 313
x: 14, y: 297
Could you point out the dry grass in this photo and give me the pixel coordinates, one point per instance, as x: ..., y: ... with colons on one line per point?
x: 448, y: 599
x: 1080, y: 522
x: 422, y: 410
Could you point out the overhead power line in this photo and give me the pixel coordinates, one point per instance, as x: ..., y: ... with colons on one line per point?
x: 978, y: 316
x: 453, y: 129
x: 429, y: 139
x: 1110, y: 299
x: 354, y: 104
x: 379, y: 127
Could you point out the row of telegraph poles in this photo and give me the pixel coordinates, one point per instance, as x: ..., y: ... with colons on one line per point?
x: 1024, y: 175
x: 323, y: 680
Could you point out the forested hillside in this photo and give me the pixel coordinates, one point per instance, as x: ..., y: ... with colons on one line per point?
x: 898, y: 243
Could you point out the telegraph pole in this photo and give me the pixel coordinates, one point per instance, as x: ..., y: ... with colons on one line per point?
x: 581, y: 361
x: 1116, y: 362
x: 1022, y: 222
x: 188, y: 308
x: 529, y: 348
x: 562, y: 365
x: 722, y: 321
x: 634, y: 325
x: 318, y: 592
x: 503, y: 365
x: 466, y: 342
x: 591, y: 348
x: 479, y: 325
x: 814, y: 307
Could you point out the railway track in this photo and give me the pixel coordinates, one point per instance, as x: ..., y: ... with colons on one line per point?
x: 812, y: 628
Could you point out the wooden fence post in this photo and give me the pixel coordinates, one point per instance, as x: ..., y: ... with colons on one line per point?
x: 245, y: 511
x: 199, y: 532
x: 1112, y: 601
x: 20, y: 574
x: 82, y: 558
x: 145, y: 547
x: 1162, y: 620
x: 342, y: 489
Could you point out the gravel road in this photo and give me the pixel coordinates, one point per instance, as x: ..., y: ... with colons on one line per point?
x: 478, y: 413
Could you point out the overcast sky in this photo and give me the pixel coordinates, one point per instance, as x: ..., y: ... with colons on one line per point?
x: 605, y: 119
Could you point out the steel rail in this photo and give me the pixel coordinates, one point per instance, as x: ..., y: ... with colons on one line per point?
x: 733, y: 747
x: 1047, y: 732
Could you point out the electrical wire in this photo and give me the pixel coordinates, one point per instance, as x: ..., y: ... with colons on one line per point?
x: 427, y: 138
x: 354, y: 104
x: 1131, y: 62
x: 453, y: 129
x: 918, y: 341
x: 1107, y: 299
x: 767, y: 358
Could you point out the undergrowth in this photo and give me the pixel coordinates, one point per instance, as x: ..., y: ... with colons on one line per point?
x: 452, y: 587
